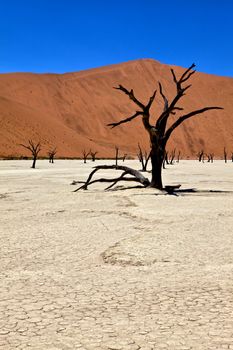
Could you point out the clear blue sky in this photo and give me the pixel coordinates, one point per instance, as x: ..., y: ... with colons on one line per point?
x: 72, y: 35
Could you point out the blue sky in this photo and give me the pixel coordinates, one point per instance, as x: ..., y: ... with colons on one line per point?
x: 72, y: 35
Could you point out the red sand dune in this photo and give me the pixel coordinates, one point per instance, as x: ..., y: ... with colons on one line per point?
x: 71, y: 110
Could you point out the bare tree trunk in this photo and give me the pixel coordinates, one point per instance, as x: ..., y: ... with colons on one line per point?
x: 116, y: 156
x: 93, y: 155
x: 124, y: 157
x: 225, y: 154
x: 165, y: 159
x: 143, y: 158
x: 201, y: 156
x: 157, y: 158
x: 172, y: 157
x: 85, y: 155
x: 147, y: 157
x: 51, y: 154
x: 51, y: 159
x: 210, y: 158
x: 34, y: 163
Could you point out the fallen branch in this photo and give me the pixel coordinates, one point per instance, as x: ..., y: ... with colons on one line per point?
x: 136, y: 176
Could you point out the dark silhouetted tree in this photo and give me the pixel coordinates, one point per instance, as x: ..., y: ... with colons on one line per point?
x: 116, y: 155
x: 34, y: 148
x: 201, y: 156
x: 210, y: 157
x: 124, y: 157
x: 225, y: 154
x: 159, y: 133
x: 85, y: 155
x: 143, y: 157
x: 178, y: 157
x: 93, y: 155
x: 51, y: 154
x: 172, y: 156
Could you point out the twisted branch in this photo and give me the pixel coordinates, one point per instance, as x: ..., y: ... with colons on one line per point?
x: 136, y: 176
x: 113, y: 125
x: 184, y: 117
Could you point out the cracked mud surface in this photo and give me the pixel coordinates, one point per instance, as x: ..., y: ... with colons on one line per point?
x: 115, y: 270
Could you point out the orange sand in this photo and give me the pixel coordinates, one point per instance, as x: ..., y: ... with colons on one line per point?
x: 71, y: 110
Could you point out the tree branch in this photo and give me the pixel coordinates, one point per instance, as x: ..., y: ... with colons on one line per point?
x: 27, y: 147
x: 113, y: 125
x: 165, y: 100
x: 33, y: 148
x: 183, y: 77
x: 136, y: 176
x: 183, y: 118
x: 131, y: 95
x: 169, y: 109
x: 144, y: 109
x: 151, y: 100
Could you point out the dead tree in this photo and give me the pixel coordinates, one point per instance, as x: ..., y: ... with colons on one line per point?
x: 210, y: 157
x: 172, y: 156
x: 178, y: 157
x: 93, y: 155
x: 124, y: 157
x: 34, y: 148
x: 232, y: 156
x: 85, y: 155
x: 165, y: 159
x: 225, y: 154
x: 135, y: 176
x: 116, y: 155
x: 143, y: 157
x: 51, y: 154
x: 201, y: 156
x: 159, y: 133
x: 169, y: 158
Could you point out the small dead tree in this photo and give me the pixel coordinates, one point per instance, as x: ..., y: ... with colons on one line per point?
x: 178, y: 157
x: 232, y: 156
x: 210, y: 157
x: 93, y: 155
x: 201, y: 156
x: 85, y: 155
x: 225, y: 154
x: 124, y: 157
x: 169, y: 158
x: 143, y: 157
x: 51, y: 154
x: 159, y: 133
x: 34, y: 148
x: 172, y: 156
x: 165, y: 160
x: 116, y: 155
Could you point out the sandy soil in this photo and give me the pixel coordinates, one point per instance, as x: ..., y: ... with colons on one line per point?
x: 128, y: 269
